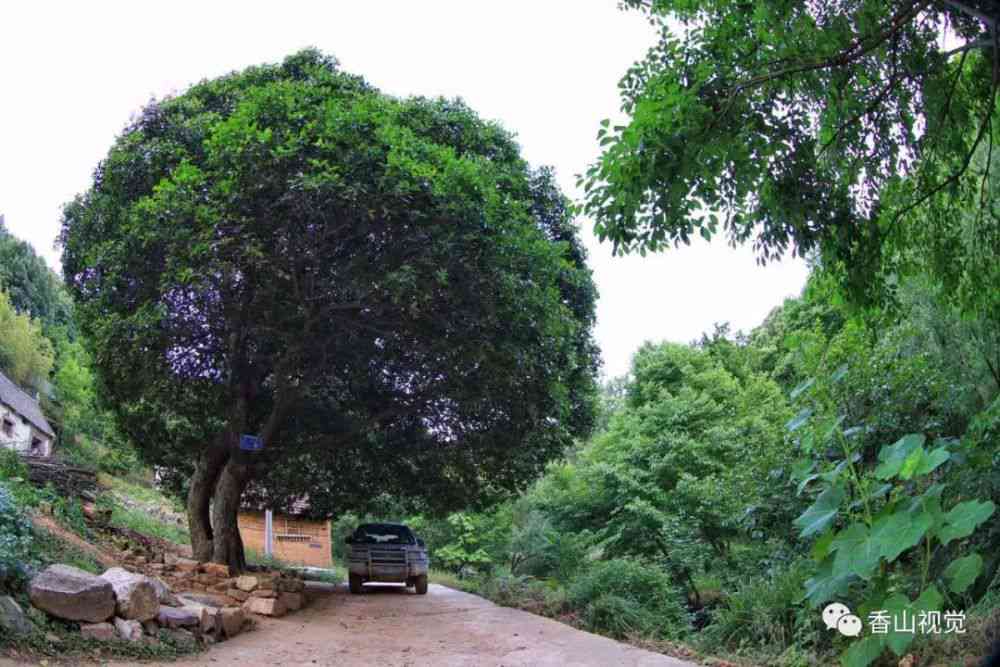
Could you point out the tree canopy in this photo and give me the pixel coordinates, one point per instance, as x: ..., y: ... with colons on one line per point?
x: 381, y: 288
x: 793, y: 125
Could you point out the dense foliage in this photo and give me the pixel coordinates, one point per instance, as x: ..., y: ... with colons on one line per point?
x: 791, y: 123
x: 826, y: 455
x: 382, y: 289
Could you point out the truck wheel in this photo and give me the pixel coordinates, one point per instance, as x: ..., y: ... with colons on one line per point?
x: 355, y: 583
x: 421, y: 584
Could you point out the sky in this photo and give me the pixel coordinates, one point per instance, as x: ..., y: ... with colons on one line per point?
x: 73, y: 73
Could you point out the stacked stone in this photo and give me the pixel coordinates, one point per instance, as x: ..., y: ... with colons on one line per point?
x: 264, y: 593
x: 133, y: 607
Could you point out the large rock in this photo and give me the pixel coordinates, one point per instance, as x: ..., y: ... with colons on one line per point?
x: 233, y: 619
x: 72, y: 594
x: 185, y: 617
x: 103, y: 631
x: 163, y: 593
x: 13, y: 621
x: 129, y: 630
x: 137, y: 599
x: 265, y: 606
x: 247, y: 583
x: 207, y: 613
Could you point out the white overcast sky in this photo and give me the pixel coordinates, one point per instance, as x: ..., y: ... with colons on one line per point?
x: 72, y: 73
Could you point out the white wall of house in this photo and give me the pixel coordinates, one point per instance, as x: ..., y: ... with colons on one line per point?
x: 17, y: 433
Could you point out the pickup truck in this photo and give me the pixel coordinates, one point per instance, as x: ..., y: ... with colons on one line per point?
x: 386, y: 552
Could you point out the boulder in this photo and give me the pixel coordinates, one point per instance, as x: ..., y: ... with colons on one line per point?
x: 13, y: 620
x: 163, y: 593
x: 184, y: 617
x: 72, y: 594
x: 292, y: 601
x: 265, y: 606
x: 103, y: 631
x: 247, y: 583
x: 135, y: 593
x: 233, y: 619
x: 206, y: 613
x: 129, y: 630
x: 151, y: 628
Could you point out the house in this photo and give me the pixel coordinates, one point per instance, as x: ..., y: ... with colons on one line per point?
x: 291, y: 537
x: 23, y: 427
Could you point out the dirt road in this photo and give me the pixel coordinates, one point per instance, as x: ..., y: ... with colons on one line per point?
x: 391, y: 626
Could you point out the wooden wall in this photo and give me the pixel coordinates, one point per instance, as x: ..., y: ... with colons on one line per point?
x: 296, y: 541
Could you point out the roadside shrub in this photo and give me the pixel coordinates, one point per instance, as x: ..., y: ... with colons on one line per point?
x: 646, y: 597
x: 15, y: 541
x: 765, y: 612
x: 619, y: 617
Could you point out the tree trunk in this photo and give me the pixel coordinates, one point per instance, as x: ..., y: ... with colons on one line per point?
x: 227, y: 546
x: 199, y: 499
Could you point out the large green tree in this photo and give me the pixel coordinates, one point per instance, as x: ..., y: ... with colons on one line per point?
x: 790, y: 123
x: 382, y: 289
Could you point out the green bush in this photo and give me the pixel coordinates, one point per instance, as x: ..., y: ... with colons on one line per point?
x: 765, y: 612
x: 645, y: 594
x: 15, y: 542
x: 619, y: 617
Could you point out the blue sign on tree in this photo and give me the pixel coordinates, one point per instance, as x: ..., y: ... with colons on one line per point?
x: 251, y: 443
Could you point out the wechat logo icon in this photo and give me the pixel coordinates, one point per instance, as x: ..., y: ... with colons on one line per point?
x: 838, y: 616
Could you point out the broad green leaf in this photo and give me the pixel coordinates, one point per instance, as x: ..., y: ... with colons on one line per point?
x: 894, y: 456
x: 932, y: 460
x: 821, y: 513
x: 826, y: 586
x: 805, y: 482
x: 895, y: 533
x: 863, y: 652
x: 897, y: 605
x: 964, y: 518
x: 963, y: 571
x: 821, y: 549
x: 856, y: 552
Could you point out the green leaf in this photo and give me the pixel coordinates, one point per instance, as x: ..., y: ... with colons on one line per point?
x: 963, y: 571
x: 932, y: 461
x: 964, y: 518
x: 863, y: 653
x: 821, y: 513
x: 821, y: 548
x: 825, y: 585
x: 896, y: 532
x: 894, y: 456
x: 898, y: 604
x: 856, y: 552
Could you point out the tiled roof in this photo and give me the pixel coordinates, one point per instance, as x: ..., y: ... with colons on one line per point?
x: 24, y: 405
